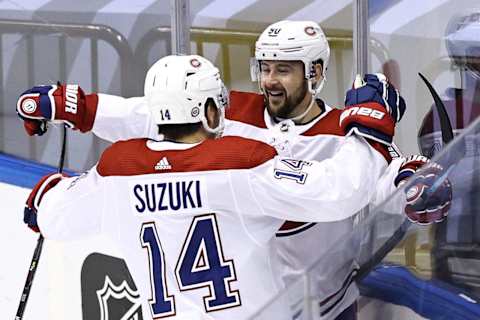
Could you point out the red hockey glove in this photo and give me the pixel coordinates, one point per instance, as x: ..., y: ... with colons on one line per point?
x: 372, y: 108
x: 36, y: 195
x: 430, y: 196
x: 408, y: 168
x: 63, y: 103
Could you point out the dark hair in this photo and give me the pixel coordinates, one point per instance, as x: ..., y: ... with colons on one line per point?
x: 317, y: 62
x: 178, y: 131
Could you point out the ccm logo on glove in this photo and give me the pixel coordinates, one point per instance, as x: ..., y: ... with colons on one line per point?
x: 362, y: 111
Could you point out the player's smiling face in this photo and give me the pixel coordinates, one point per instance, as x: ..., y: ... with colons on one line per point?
x: 285, y: 87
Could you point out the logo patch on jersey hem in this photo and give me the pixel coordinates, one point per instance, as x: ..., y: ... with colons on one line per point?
x: 108, y: 289
x: 111, y: 291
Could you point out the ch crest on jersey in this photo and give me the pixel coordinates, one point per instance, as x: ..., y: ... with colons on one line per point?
x: 111, y: 296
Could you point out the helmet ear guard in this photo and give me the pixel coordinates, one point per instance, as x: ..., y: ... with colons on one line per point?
x: 254, y: 69
x: 177, y: 89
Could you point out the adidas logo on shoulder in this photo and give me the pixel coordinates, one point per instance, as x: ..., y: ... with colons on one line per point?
x: 163, y: 164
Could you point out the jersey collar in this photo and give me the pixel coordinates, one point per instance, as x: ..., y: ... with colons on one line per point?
x: 169, y: 145
x: 289, y: 125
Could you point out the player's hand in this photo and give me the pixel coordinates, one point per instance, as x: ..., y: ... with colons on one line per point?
x: 376, y: 88
x: 430, y: 196
x: 35, y: 197
x: 372, y: 108
x: 56, y: 103
x: 409, y: 167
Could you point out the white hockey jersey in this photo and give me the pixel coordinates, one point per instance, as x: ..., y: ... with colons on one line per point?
x: 118, y: 118
x: 194, y: 221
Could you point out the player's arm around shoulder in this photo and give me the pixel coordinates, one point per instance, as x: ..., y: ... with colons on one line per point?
x: 386, y: 186
x: 119, y: 118
x: 73, y: 207
x: 110, y: 117
x: 329, y: 190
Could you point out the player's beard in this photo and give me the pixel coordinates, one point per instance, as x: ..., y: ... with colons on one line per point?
x: 290, y: 102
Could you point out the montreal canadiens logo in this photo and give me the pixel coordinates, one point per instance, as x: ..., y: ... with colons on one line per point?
x: 195, y: 112
x: 195, y: 63
x: 414, y: 193
x: 310, y: 31
x: 29, y: 106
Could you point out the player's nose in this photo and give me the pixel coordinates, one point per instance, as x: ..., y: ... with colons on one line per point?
x: 270, y: 78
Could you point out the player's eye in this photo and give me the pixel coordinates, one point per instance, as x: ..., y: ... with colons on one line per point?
x: 283, y: 69
x: 264, y: 69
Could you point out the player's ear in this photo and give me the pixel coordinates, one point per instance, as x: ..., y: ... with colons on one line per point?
x: 318, y: 72
x: 212, y: 114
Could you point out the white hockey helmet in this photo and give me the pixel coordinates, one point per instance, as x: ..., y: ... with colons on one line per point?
x: 295, y: 41
x: 463, y: 41
x: 178, y: 87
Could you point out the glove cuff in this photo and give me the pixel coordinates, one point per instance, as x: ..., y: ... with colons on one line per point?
x: 36, y: 196
x: 411, y: 165
x: 91, y: 104
x: 369, y: 120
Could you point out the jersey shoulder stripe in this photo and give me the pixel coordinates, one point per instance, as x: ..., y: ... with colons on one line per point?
x: 247, y: 107
x: 133, y: 157
x: 329, y: 124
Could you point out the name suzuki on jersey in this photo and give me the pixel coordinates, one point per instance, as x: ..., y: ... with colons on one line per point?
x: 167, y: 196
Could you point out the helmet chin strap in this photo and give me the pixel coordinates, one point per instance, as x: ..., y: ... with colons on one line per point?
x: 218, y: 130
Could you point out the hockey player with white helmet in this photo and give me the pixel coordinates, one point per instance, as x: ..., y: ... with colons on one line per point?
x: 297, y: 44
x: 200, y: 79
x: 195, y: 231
x: 292, y: 41
x: 289, y: 116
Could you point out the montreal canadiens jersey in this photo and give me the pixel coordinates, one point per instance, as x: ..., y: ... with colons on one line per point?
x: 118, y: 118
x: 194, y: 221
x: 318, y: 140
